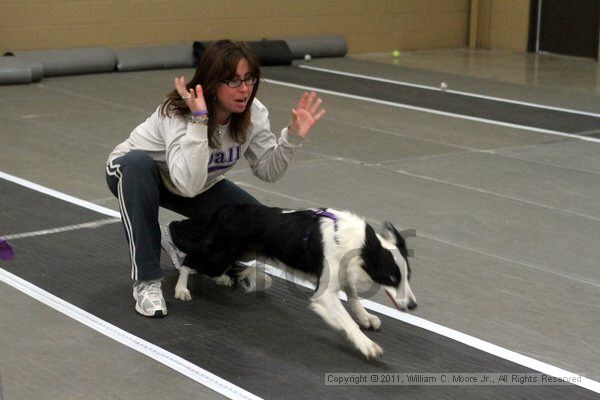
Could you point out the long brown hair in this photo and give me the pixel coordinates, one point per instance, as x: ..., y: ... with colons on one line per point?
x: 218, y: 62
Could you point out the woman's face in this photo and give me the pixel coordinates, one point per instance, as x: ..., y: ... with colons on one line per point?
x: 233, y: 100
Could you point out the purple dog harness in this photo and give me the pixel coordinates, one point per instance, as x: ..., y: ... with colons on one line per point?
x: 323, y: 213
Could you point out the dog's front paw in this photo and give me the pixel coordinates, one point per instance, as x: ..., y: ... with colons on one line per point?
x: 369, y: 348
x: 370, y: 321
x: 223, y: 280
x: 183, y: 294
x: 374, y: 322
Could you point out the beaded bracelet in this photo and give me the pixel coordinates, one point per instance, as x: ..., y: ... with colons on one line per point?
x: 199, y: 113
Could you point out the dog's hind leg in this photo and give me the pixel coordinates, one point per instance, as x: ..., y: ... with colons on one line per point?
x: 365, y: 320
x: 181, y: 288
x: 330, y: 308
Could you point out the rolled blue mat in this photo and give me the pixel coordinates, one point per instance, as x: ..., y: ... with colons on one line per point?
x: 15, y: 70
x: 37, y: 70
x: 272, y: 52
x: 72, y: 61
x: 198, y: 49
x: 317, y: 46
x: 155, y: 57
x: 269, y: 52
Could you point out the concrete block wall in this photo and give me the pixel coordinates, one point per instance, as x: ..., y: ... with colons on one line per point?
x: 367, y: 25
x: 503, y: 24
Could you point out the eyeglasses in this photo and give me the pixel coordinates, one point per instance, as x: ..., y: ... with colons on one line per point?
x: 236, y: 82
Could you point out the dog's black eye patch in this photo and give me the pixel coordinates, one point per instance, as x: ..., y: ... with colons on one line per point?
x: 379, y: 263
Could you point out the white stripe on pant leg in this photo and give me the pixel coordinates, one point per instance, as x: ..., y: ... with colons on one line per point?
x: 128, y: 227
x: 125, y: 217
x: 109, y: 172
x: 113, y: 170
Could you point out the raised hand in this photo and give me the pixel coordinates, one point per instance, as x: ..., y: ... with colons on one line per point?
x: 193, y: 97
x: 306, y: 114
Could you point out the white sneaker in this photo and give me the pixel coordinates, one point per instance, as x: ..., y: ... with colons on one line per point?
x: 177, y: 256
x: 149, y: 300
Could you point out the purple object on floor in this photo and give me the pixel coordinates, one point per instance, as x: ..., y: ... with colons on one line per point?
x: 6, y: 252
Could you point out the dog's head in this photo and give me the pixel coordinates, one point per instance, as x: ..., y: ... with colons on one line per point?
x: 385, y: 261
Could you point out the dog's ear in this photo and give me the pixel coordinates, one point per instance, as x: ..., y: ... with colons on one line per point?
x: 391, y: 233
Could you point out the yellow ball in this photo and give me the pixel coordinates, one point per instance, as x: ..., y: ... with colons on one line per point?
x: 396, y: 53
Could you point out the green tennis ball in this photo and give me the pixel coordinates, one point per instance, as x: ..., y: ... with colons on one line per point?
x: 396, y: 53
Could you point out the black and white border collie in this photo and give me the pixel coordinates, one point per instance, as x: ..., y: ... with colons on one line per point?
x: 337, y: 248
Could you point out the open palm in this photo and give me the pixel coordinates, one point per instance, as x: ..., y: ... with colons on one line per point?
x: 306, y: 114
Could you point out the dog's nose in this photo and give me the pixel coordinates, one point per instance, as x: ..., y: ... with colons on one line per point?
x: 412, y: 305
